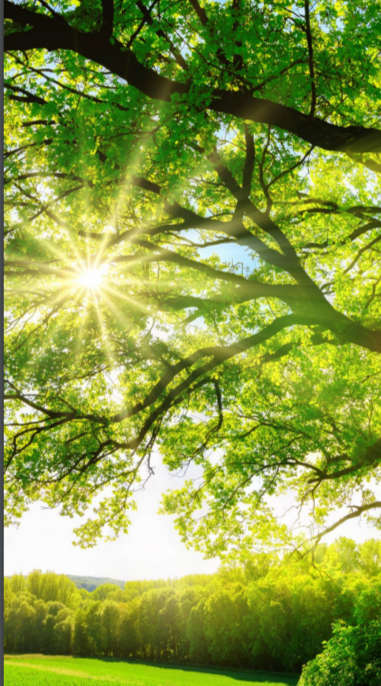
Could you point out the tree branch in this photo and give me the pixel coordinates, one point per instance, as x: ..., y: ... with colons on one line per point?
x: 310, y: 57
x: 107, y: 19
x: 52, y: 34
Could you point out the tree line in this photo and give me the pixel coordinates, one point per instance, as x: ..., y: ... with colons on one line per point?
x: 270, y: 613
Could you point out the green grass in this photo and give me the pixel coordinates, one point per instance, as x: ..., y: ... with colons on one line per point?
x: 38, y: 670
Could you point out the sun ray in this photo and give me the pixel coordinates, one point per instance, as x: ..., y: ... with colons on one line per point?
x: 46, y: 341
x: 81, y: 328
x: 122, y: 318
x: 105, y: 340
x: 114, y: 291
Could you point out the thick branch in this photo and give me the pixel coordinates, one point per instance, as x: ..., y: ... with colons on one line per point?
x: 52, y: 33
x: 108, y: 18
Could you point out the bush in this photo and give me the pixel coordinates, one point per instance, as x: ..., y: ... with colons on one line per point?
x: 352, y: 657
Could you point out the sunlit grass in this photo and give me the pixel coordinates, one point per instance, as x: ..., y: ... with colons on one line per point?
x: 36, y: 670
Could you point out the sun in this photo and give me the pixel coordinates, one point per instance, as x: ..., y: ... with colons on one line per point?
x: 92, y: 278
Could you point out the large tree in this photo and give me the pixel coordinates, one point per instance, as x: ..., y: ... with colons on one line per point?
x: 193, y: 260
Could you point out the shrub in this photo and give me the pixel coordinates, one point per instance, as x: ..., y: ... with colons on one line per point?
x: 352, y: 657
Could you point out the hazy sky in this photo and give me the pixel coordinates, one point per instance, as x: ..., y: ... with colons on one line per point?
x: 151, y: 550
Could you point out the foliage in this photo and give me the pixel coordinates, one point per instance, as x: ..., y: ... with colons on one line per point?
x: 254, y: 617
x: 152, y: 144
x: 352, y: 657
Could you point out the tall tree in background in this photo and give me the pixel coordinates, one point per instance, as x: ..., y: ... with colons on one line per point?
x: 146, y: 145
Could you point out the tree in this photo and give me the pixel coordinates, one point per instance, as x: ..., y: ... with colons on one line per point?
x: 224, y: 626
x: 110, y: 618
x: 370, y: 557
x: 199, y: 649
x: 350, y: 658
x: 80, y: 644
x: 128, y: 637
x: 169, y: 625
x: 188, y: 599
x: 141, y: 138
x: 51, y: 640
x: 39, y: 627
x: 19, y: 623
x: 63, y: 636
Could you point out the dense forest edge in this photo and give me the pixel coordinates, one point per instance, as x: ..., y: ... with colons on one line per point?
x: 270, y: 614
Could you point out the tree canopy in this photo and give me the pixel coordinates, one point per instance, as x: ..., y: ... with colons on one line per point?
x: 193, y: 261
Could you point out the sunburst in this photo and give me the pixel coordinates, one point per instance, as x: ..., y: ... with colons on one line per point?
x: 92, y: 277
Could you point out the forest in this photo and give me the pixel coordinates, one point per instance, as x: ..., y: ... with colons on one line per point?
x: 272, y: 614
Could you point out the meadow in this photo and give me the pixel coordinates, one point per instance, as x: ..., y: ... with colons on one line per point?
x: 38, y: 670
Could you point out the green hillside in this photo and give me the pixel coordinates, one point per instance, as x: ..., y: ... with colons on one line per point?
x: 90, y: 583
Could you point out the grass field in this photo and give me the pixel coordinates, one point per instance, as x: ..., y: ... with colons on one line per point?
x: 38, y: 670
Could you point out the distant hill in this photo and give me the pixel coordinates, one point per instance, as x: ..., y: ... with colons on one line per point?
x: 90, y: 583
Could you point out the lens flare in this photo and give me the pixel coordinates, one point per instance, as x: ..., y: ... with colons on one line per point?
x: 92, y: 278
